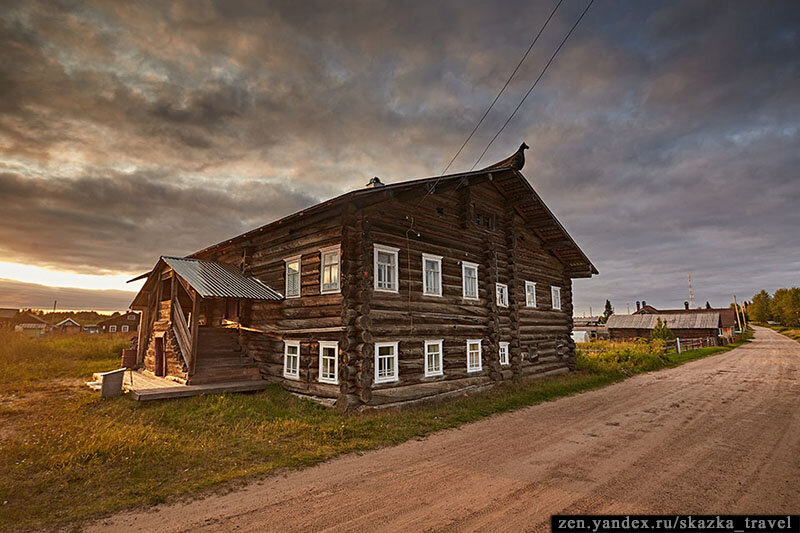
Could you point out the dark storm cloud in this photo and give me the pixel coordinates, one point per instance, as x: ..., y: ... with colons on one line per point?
x: 665, y: 135
x: 32, y: 295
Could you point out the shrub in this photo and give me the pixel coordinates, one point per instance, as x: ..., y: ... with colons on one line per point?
x: 622, y: 357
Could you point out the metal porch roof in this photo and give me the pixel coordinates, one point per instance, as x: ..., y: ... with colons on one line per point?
x: 216, y: 280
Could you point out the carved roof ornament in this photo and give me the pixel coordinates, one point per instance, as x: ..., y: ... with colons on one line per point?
x: 516, y: 161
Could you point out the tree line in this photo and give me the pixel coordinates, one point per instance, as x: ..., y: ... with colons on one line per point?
x: 782, y: 307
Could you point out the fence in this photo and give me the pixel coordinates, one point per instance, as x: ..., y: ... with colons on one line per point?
x: 681, y: 345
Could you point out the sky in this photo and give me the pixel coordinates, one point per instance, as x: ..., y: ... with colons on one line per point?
x: 665, y: 136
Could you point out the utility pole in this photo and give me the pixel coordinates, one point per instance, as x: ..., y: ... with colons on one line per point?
x: 738, y: 318
x: 743, y: 320
x: 691, y: 294
x: 54, y: 305
x: 629, y: 307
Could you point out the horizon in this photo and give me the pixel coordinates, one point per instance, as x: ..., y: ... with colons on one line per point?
x: 664, y: 146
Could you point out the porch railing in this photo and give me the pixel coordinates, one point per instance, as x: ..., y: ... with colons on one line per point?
x: 182, y: 333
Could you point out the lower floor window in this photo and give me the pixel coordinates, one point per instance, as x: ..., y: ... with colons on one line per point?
x: 503, y: 353
x: 474, y: 363
x: 433, y: 358
x: 385, y: 362
x: 291, y: 360
x: 329, y: 362
x: 112, y: 329
x: 124, y: 328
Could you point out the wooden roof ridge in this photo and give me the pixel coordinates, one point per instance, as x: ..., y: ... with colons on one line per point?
x: 505, y: 175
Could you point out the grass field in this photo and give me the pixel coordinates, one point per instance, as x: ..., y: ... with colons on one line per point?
x: 67, y: 455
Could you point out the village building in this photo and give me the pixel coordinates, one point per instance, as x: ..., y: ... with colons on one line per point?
x: 30, y: 324
x: 383, y: 295
x: 124, y: 323
x: 705, y: 326
x: 7, y: 316
x: 68, y: 326
x: 728, y: 323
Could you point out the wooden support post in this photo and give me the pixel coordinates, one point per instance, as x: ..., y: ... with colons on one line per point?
x: 738, y: 318
x: 172, y: 297
x: 194, y: 329
x: 144, y: 331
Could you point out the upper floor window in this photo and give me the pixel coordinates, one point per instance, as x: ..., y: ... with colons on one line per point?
x: 292, y: 277
x: 132, y: 316
x: 530, y: 294
x: 329, y: 362
x: 502, y: 294
x: 386, y: 268
x: 291, y: 359
x: 484, y: 220
x: 469, y: 279
x: 433, y: 358
x: 431, y: 275
x: 555, y: 293
x: 329, y: 270
x: 474, y: 363
x: 503, y: 352
x: 385, y: 362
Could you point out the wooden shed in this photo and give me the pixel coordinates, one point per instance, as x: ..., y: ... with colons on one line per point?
x: 683, y: 325
x: 386, y: 294
x: 68, y: 326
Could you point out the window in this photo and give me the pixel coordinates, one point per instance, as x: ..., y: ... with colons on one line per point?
x: 502, y: 294
x: 530, y: 294
x: 329, y: 362
x: 291, y: 359
x: 503, y: 353
x: 385, y: 268
x: 125, y: 328
x: 132, y: 316
x: 431, y: 275
x: 555, y: 293
x: 112, y: 329
x: 433, y: 358
x: 329, y: 270
x: 385, y: 362
x: 469, y: 280
x: 474, y: 363
x: 292, y: 277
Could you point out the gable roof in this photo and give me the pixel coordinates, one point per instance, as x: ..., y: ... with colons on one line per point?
x: 672, y: 321
x: 506, y: 178
x: 24, y: 317
x: 727, y: 316
x: 7, y: 312
x: 67, y: 322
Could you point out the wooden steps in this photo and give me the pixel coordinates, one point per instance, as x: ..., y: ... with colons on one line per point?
x: 220, y: 359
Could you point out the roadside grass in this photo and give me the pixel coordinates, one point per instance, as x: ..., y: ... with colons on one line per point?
x: 792, y: 333
x: 66, y: 455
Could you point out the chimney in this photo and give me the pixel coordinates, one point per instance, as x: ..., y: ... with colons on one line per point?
x: 374, y: 182
x: 686, y: 305
x: 643, y: 304
x: 638, y: 305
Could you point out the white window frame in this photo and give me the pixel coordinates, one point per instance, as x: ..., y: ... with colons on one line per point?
x: 112, y: 329
x: 322, y: 252
x: 555, y: 294
x: 425, y: 289
x: 498, y: 287
x: 503, y: 354
x: 479, y: 368
x: 286, y: 346
x: 428, y: 371
x: 125, y: 328
x: 329, y: 344
x: 396, y: 376
x: 530, y: 290
x: 286, y: 262
x: 464, y: 266
x: 389, y: 250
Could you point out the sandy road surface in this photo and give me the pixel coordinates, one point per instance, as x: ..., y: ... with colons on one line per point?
x: 720, y: 434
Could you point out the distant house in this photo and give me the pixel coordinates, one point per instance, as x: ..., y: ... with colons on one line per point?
x: 587, y: 328
x: 30, y: 324
x: 684, y: 325
x: 120, y: 324
x: 727, y: 316
x: 7, y: 317
x: 68, y: 326
x: 91, y: 329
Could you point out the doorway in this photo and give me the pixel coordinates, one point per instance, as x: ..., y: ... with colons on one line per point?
x: 161, y: 357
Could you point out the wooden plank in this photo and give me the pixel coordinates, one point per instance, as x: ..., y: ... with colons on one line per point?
x: 194, y: 331
x: 185, y: 391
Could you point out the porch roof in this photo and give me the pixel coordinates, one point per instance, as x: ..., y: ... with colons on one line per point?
x: 216, y: 280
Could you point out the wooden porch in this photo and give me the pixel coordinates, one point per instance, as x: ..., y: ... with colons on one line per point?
x: 144, y: 386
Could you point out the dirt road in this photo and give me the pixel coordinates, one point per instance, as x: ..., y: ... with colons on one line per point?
x: 721, y: 434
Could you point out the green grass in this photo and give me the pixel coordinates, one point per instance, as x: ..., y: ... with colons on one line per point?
x: 66, y: 455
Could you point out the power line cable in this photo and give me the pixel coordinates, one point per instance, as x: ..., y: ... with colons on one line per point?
x: 534, y: 84
x: 496, y: 98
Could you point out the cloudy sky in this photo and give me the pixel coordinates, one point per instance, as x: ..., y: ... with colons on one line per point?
x: 665, y: 135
